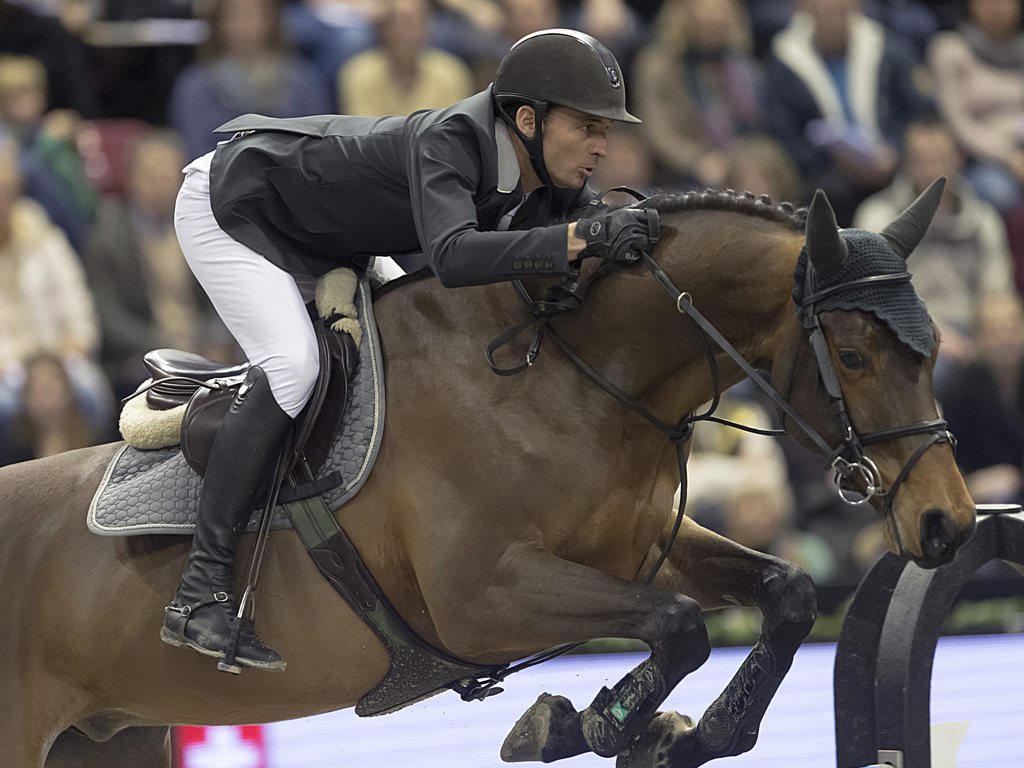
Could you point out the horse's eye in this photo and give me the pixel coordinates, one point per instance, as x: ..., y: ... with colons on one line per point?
x: 852, y: 360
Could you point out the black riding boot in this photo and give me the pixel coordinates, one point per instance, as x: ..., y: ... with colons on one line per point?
x: 243, y: 457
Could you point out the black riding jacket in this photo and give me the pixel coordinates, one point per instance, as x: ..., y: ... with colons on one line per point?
x: 314, y: 193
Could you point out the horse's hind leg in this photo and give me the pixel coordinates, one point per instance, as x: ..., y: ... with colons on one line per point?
x: 719, y: 572
x: 139, y: 747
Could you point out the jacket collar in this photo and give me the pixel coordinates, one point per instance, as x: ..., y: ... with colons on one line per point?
x: 508, y: 164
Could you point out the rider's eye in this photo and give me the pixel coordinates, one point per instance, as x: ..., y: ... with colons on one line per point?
x: 852, y: 360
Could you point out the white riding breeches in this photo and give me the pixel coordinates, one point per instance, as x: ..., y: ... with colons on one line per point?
x: 262, y: 305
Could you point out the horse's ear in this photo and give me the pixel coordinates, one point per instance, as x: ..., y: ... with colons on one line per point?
x: 907, y: 230
x: 825, y: 248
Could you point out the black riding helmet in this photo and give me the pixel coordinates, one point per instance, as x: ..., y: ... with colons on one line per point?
x: 560, y: 67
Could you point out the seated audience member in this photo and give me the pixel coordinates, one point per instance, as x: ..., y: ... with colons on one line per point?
x: 403, y: 73
x: 49, y: 419
x: 146, y: 296
x: 51, y: 164
x: 328, y: 33
x: 615, y: 23
x: 915, y: 20
x: 629, y: 163
x: 760, y: 165
x: 244, y: 66
x: 698, y: 89
x: 45, y: 304
x: 979, y: 83
x: 517, y: 18
x: 840, y: 93
x: 985, y: 407
x: 1015, y: 234
x: 65, y: 57
x: 963, y: 259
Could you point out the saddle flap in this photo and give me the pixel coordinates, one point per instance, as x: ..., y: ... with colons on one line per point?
x: 203, y: 417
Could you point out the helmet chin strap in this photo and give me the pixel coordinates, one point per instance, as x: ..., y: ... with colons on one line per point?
x: 534, y: 144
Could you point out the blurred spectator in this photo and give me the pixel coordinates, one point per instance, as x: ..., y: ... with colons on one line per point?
x: 244, y: 66
x: 49, y: 420
x: 979, y: 78
x: 403, y: 73
x: 629, y: 163
x: 615, y: 24
x: 698, y: 89
x: 146, y: 296
x: 145, y: 42
x: 840, y: 94
x: 985, y: 410
x: 328, y: 33
x: 1015, y: 233
x: 963, y: 259
x: 63, y: 55
x: 761, y: 165
x: 914, y: 20
x: 737, y: 486
x: 483, y: 48
x: 45, y: 304
x: 54, y: 171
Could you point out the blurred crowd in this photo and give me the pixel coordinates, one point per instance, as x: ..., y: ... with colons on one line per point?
x: 103, y: 102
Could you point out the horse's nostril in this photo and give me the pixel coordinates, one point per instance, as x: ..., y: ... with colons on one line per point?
x: 936, y: 533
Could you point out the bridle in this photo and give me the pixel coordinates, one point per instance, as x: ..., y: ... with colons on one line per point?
x: 848, y: 460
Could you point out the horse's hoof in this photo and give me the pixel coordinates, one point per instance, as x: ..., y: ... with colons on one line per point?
x: 549, y: 730
x: 669, y: 740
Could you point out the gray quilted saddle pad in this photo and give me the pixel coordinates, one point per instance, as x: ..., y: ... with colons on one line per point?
x: 156, y: 491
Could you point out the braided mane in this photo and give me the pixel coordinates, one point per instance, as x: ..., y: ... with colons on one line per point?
x: 728, y: 200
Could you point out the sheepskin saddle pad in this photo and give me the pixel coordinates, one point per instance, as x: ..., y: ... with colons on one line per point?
x: 149, y: 488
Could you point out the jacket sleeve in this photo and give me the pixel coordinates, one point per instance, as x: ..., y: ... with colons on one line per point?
x: 445, y: 177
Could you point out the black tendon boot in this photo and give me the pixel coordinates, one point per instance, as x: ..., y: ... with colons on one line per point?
x: 203, y: 613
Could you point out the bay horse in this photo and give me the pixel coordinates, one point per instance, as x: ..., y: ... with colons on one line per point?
x: 506, y: 515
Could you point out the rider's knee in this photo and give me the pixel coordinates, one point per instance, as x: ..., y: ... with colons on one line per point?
x: 293, y: 375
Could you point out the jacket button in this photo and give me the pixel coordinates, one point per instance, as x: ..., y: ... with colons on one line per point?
x: 529, y: 265
x: 516, y: 265
x: 548, y: 265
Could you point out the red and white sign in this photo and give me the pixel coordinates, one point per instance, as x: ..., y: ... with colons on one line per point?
x: 236, y: 746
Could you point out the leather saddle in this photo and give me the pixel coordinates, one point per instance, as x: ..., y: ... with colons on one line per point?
x: 207, y: 387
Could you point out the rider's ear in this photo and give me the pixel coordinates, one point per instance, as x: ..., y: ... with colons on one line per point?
x: 526, y: 120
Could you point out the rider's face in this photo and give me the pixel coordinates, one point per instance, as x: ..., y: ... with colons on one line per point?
x: 574, y: 143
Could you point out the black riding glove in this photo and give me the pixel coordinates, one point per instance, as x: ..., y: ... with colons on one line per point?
x: 620, y: 235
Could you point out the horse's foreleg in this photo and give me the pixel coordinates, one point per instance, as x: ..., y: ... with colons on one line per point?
x: 719, y: 572
x: 541, y: 599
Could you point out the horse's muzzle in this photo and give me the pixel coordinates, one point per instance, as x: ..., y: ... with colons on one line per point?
x: 940, y: 539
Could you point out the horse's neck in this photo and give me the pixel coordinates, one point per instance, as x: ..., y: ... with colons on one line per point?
x: 740, y: 281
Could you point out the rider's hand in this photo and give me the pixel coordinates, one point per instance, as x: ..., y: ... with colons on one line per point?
x: 619, y: 235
